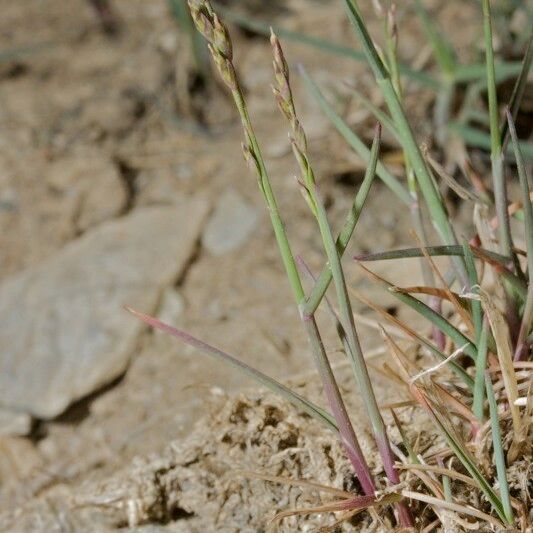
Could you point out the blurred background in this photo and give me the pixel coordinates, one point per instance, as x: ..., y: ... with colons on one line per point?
x: 122, y: 183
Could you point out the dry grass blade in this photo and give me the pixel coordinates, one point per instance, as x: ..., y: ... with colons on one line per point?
x: 440, y: 417
x: 429, y: 314
x: 443, y: 471
x: 462, y: 509
x: 415, y: 336
x: 458, y: 189
x: 500, y: 331
x: 431, y: 291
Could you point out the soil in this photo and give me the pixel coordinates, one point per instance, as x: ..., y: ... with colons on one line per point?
x: 94, y: 126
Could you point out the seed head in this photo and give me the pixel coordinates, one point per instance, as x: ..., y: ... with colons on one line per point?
x: 222, y: 40
x: 217, y: 36
x: 202, y: 15
x: 225, y: 67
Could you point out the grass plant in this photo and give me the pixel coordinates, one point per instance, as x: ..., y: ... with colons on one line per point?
x: 473, y: 376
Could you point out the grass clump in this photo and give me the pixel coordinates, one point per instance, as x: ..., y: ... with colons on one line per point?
x: 473, y: 379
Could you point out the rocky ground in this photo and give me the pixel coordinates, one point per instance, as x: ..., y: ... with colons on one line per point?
x: 121, y: 183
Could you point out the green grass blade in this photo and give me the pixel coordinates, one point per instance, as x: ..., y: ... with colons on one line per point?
x: 464, y: 456
x: 499, y: 456
x: 500, y: 191
x: 446, y: 483
x: 434, y: 251
x: 353, y: 140
x: 475, y: 305
x: 527, y: 316
x: 518, y: 89
x: 380, y: 115
x: 352, y: 218
x: 481, y: 363
x: 354, y: 351
x: 475, y: 72
x: 479, y: 139
x: 442, y: 49
x: 298, y: 401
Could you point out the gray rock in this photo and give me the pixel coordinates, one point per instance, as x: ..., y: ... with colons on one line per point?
x: 13, y: 423
x: 64, y: 332
x: 230, y: 225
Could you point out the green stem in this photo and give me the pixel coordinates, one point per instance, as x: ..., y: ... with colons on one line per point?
x: 324, y: 279
x: 481, y: 363
x: 354, y: 350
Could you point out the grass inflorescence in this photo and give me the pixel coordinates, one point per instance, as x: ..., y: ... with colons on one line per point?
x: 473, y: 377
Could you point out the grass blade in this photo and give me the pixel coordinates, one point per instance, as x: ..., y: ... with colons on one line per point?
x: 442, y: 49
x: 324, y: 279
x: 479, y: 139
x: 499, y: 457
x: 527, y: 316
x: 298, y: 401
x: 496, y: 156
x: 434, y: 251
x: 518, y: 90
x: 477, y: 72
x: 355, y: 352
x: 481, y: 365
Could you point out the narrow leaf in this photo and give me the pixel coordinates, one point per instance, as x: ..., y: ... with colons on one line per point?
x: 350, y: 223
x: 481, y: 364
x: 481, y: 253
x: 298, y: 401
x: 518, y: 90
x: 527, y: 317
x: 499, y: 456
x: 442, y: 49
x: 500, y: 331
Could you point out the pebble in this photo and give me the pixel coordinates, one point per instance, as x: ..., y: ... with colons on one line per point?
x: 231, y: 224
